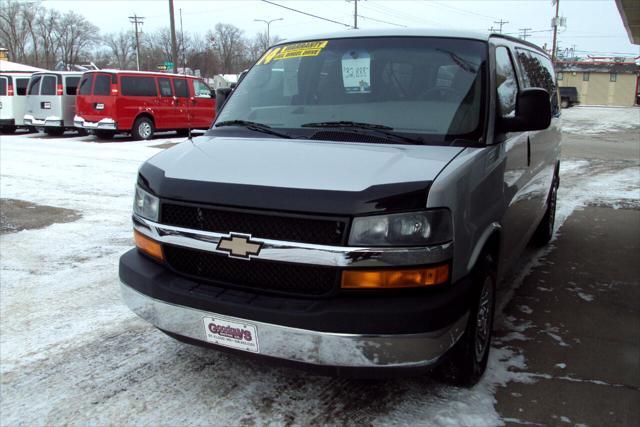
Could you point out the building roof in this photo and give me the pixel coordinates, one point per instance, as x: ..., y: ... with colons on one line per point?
x: 598, y: 67
x: 14, y: 67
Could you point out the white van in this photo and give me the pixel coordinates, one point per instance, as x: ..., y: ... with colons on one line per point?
x: 13, y: 99
x: 51, y: 101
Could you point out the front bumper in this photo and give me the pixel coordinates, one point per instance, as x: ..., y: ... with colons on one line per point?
x: 51, y: 121
x: 306, y: 346
x: 347, y: 331
x: 103, y: 124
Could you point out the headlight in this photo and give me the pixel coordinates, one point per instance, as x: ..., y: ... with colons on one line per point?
x: 404, y: 229
x: 145, y: 204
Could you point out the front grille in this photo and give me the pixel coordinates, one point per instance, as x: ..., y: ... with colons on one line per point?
x: 265, y: 226
x: 297, y: 279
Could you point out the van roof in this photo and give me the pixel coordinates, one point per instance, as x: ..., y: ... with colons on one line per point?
x: 144, y: 73
x: 62, y: 73
x: 411, y: 32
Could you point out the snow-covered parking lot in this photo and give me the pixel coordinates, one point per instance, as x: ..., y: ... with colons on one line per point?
x: 72, y: 353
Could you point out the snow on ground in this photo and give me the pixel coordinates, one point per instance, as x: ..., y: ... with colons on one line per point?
x: 71, y: 352
x: 597, y: 120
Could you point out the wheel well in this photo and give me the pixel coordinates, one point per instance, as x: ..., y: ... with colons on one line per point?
x: 492, y: 246
x: 147, y: 115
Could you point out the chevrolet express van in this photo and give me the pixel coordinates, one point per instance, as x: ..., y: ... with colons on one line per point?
x: 51, y: 101
x: 355, y: 204
x: 139, y: 103
x: 13, y: 100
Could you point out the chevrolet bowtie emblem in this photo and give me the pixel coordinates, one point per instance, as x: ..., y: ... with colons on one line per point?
x: 239, y: 246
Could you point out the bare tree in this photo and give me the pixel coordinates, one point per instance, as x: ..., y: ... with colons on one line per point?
x: 14, y: 32
x: 121, y: 47
x: 76, y: 36
x: 230, y: 47
x: 47, y: 23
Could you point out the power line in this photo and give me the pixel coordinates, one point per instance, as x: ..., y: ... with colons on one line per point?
x: 135, y: 20
x: 523, y: 33
x: 468, y: 12
x: 397, y: 14
x: 501, y: 23
x: 381, y: 21
x: 306, y: 13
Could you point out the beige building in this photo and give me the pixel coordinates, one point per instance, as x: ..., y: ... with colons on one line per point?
x: 601, y: 83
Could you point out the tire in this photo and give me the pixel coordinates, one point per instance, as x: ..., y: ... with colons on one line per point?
x: 104, y: 134
x: 142, y: 129
x: 32, y: 129
x: 82, y: 132
x: 467, y: 360
x: 564, y: 103
x: 8, y: 130
x: 51, y: 131
x: 544, y: 232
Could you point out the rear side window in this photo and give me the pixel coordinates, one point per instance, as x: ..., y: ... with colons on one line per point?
x: 72, y: 85
x: 48, y: 85
x: 3, y: 86
x: 102, y: 85
x: 21, y: 86
x: 506, y: 83
x: 165, y: 87
x: 181, y: 88
x: 85, y: 84
x: 34, y: 85
x: 538, y: 71
x: 138, y: 86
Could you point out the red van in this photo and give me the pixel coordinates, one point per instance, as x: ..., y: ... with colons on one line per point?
x: 139, y: 103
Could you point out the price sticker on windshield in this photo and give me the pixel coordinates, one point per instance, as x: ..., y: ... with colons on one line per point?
x: 356, y: 72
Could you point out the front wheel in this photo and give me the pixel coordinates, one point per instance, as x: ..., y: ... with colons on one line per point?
x: 467, y: 360
x: 104, y: 134
x: 8, y: 130
x: 142, y: 129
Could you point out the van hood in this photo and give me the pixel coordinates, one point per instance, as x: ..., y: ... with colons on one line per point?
x: 297, y: 175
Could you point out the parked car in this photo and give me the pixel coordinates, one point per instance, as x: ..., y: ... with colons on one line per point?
x: 568, y: 96
x: 355, y: 204
x: 140, y: 103
x: 51, y: 101
x: 13, y: 99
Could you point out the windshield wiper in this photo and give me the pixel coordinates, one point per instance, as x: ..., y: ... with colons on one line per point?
x: 346, y: 124
x: 380, y: 130
x: 254, y: 126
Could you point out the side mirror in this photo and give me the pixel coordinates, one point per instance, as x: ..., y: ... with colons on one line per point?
x: 533, y: 112
x: 212, y: 93
x: 221, y: 97
x: 241, y: 76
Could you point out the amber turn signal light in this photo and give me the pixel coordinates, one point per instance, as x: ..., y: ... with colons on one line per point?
x: 395, y: 279
x: 148, y: 246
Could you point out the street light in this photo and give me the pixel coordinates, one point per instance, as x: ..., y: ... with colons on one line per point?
x: 268, y: 25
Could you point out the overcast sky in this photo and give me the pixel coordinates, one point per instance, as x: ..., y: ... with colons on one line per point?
x: 593, y: 26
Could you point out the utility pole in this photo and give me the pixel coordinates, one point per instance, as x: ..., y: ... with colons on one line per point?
x: 174, y: 48
x: 501, y: 23
x: 268, y: 27
x: 523, y: 33
x: 184, y: 55
x: 492, y: 29
x: 135, y: 20
x: 355, y: 13
x: 555, y: 30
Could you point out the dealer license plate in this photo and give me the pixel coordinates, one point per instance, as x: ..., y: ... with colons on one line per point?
x: 99, y: 106
x: 241, y: 336
x: 46, y: 105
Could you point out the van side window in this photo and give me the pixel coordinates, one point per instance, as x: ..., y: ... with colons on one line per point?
x: 85, y: 84
x: 34, y: 85
x: 537, y: 71
x: 138, y: 86
x: 3, y: 86
x: 506, y: 83
x: 165, y: 87
x: 48, y: 85
x: 201, y: 89
x: 21, y: 87
x: 102, y: 85
x: 71, y: 84
x: 181, y: 88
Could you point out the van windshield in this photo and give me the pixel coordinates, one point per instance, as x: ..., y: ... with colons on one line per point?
x: 432, y: 87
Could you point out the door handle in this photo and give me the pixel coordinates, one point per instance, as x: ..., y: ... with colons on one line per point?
x: 528, y: 151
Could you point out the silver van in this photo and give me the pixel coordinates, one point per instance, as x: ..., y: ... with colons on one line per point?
x: 51, y: 101
x: 13, y: 100
x: 356, y: 203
